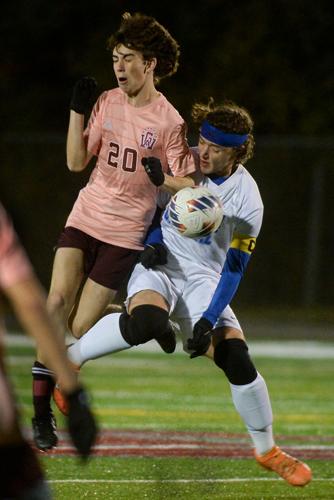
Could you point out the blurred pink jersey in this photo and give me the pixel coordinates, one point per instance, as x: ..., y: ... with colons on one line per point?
x: 118, y: 202
x: 14, y: 264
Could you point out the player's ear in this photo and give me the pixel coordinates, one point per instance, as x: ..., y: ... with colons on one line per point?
x: 150, y: 65
x: 239, y: 152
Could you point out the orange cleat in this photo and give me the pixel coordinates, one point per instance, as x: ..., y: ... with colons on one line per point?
x: 60, y: 400
x: 289, y: 468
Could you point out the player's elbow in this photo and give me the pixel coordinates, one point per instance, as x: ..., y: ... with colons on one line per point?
x: 73, y: 168
x: 75, y: 165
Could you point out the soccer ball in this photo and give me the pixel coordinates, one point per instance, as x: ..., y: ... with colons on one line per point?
x: 195, y: 212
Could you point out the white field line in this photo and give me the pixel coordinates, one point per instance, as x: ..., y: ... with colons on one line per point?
x: 276, y: 349
x: 179, y: 481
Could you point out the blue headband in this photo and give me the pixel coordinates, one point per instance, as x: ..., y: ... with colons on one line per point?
x: 221, y: 138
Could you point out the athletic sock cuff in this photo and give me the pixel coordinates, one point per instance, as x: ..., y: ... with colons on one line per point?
x: 41, y: 370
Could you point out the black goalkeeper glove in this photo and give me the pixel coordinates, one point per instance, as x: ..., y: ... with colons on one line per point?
x: 153, y: 255
x: 81, y: 422
x: 201, y: 337
x: 153, y: 168
x: 83, y: 92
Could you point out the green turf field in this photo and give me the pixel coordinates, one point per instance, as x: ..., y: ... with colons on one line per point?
x: 170, y: 393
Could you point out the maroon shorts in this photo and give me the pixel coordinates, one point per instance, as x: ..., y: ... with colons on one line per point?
x: 104, y: 263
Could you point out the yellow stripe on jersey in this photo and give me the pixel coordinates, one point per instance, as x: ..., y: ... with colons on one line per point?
x: 243, y: 243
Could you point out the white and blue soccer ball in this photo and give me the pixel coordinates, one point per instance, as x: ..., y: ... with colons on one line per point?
x: 195, y: 212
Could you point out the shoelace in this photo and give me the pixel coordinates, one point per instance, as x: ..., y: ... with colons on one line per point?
x: 287, y: 465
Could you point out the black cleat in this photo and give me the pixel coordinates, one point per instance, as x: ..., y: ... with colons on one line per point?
x: 167, y: 341
x: 44, y: 432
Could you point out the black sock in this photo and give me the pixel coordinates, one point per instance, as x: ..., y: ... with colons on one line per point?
x: 42, y: 387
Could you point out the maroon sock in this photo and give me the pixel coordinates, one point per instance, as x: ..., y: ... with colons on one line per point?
x: 42, y: 387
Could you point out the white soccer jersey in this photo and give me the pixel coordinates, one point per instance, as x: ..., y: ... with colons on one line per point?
x: 243, y: 212
x: 190, y: 278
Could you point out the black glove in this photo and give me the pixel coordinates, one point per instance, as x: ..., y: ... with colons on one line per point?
x: 153, y: 255
x: 83, y: 92
x: 201, y: 337
x: 153, y: 168
x: 81, y: 423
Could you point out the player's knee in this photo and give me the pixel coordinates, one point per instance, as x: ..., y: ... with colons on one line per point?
x: 232, y: 357
x: 145, y: 323
x: 79, y: 324
x: 77, y: 328
x: 55, y: 302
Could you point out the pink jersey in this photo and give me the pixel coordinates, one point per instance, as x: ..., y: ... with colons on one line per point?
x: 118, y: 203
x: 14, y: 268
x: 14, y: 264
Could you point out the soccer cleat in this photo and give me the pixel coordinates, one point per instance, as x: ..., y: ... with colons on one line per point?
x: 60, y: 400
x: 44, y: 432
x: 167, y: 341
x: 289, y: 468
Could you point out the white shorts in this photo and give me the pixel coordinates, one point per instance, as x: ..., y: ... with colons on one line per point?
x: 188, y: 298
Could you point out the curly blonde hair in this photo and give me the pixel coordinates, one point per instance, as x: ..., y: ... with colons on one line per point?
x: 144, y: 34
x: 230, y: 118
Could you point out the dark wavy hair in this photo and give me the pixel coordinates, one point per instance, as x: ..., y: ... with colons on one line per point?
x: 144, y: 34
x: 230, y: 118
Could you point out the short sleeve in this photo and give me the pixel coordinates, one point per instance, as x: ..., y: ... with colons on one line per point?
x: 179, y: 157
x: 93, y: 131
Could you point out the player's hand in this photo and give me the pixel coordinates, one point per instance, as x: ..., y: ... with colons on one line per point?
x: 81, y: 423
x: 153, y: 168
x: 153, y: 255
x: 200, y: 342
x: 83, y: 92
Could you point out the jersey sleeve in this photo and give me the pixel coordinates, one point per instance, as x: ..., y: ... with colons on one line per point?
x: 93, y: 131
x: 154, y: 235
x: 232, y: 273
x: 180, y: 159
x: 14, y: 263
x: 237, y: 258
x: 250, y: 214
x: 248, y: 221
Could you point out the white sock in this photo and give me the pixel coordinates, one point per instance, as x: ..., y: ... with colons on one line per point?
x: 253, y: 405
x: 103, y: 338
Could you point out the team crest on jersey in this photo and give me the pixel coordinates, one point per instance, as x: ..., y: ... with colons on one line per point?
x: 149, y: 137
x: 107, y: 124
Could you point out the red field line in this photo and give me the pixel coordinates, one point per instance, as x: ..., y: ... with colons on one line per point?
x: 146, y: 443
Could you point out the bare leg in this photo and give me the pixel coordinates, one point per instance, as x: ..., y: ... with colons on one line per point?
x: 67, y: 275
x: 105, y: 336
x: 90, y: 307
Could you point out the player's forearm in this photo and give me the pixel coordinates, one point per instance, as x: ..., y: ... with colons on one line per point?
x: 174, y: 184
x: 76, y: 151
x: 232, y: 273
x: 29, y: 304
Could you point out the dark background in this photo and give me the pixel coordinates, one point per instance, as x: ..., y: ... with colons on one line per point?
x: 273, y: 57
